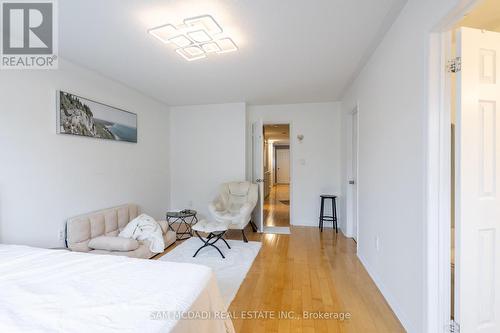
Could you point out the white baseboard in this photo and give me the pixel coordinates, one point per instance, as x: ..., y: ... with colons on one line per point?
x: 389, y: 297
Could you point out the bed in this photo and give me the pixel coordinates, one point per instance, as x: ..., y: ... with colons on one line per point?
x: 61, y: 291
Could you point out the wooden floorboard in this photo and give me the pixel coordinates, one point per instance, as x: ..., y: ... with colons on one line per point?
x: 314, y: 272
x: 276, y: 211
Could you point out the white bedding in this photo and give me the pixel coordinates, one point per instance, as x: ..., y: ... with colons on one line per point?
x: 61, y: 291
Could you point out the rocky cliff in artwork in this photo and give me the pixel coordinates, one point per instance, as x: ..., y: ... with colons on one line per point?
x: 77, y: 118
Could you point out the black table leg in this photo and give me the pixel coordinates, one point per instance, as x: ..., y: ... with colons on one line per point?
x: 182, y: 222
x: 321, y: 214
x: 335, y: 215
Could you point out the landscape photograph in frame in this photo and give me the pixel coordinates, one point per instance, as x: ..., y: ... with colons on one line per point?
x: 83, y: 117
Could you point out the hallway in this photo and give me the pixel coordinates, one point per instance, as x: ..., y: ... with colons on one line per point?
x: 277, y: 207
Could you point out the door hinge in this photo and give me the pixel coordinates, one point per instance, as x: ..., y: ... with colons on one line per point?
x: 454, y: 65
x: 454, y: 327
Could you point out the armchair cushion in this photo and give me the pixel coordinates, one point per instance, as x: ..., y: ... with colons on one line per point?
x: 246, y: 208
x: 234, y: 204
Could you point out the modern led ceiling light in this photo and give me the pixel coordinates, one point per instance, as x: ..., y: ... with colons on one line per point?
x: 180, y: 41
x: 211, y: 47
x: 195, y: 38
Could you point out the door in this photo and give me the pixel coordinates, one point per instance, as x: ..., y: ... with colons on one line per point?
x: 282, y: 165
x: 354, y: 174
x: 477, y: 182
x: 258, y: 170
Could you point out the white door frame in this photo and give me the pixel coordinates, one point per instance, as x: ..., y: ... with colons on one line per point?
x: 438, y: 173
x: 350, y: 200
x: 292, y: 145
x: 258, y: 213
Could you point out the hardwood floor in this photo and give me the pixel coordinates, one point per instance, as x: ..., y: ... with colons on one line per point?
x: 314, y: 272
x: 277, y: 213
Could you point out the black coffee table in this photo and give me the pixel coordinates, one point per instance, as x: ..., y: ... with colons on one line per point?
x: 185, y: 219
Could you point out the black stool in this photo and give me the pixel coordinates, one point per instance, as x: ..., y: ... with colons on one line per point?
x: 323, y: 217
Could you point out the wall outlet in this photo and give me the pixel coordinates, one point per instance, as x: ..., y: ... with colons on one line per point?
x: 61, y: 235
x: 377, y: 243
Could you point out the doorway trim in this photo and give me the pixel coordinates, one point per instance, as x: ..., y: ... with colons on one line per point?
x: 350, y: 200
x: 291, y: 147
x: 438, y: 173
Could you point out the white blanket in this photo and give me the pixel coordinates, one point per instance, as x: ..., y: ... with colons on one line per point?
x: 61, y: 291
x: 144, y: 227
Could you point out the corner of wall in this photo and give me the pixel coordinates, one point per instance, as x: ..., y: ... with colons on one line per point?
x: 169, y: 152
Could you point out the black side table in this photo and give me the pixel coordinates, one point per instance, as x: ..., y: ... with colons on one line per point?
x: 185, y: 220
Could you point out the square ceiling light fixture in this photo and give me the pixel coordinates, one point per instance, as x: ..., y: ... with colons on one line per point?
x: 195, y: 38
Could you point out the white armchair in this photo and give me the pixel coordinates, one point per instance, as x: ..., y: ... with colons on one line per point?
x: 235, y: 204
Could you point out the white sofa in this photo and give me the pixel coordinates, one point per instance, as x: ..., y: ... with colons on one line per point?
x: 82, y: 229
x: 235, y: 204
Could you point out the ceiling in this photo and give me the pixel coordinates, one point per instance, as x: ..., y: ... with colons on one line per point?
x: 290, y: 51
x: 276, y: 132
x: 486, y: 16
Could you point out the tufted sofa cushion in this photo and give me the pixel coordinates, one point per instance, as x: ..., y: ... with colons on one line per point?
x: 110, y: 243
x: 109, y: 222
x: 106, y: 222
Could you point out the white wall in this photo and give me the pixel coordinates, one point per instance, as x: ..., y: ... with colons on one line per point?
x: 315, y: 163
x: 46, y: 178
x: 391, y: 91
x: 207, y: 149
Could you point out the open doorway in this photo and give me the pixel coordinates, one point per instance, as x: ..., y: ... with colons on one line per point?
x: 276, y: 157
x: 475, y: 96
x: 469, y: 180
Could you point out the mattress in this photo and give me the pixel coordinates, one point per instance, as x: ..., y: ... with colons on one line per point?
x: 61, y: 291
